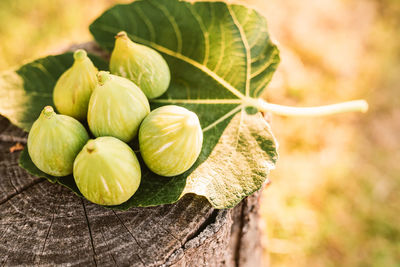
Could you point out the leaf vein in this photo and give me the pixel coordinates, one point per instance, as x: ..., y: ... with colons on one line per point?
x: 263, y: 68
x: 246, y: 47
x: 221, y: 119
x: 147, y: 22
x: 175, y: 26
x: 205, y: 33
x: 222, y: 50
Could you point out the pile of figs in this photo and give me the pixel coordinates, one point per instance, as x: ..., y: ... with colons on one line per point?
x: 116, y: 108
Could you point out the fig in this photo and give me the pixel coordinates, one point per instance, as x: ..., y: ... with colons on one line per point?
x: 73, y: 89
x: 141, y: 64
x: 170, y: 140
x: 54, y: 141
x: 116, y: 108
x: 107, y: 171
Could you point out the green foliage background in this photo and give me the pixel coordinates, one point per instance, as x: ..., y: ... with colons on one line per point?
x: 334, y: 198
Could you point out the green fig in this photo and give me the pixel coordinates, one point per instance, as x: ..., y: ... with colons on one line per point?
x: 54, y: 141
x: 73, y: 89
x: 107, y: 171
x: 170, y: 140
x: 116, y: 108
x: 141, y: 64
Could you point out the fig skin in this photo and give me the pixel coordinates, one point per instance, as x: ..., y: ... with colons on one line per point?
x: 73, y: 89
x: 141, y: 64
x: 54, y: 141
x: 107, y: 171
x: 116, y: 108
x: 170, y: 140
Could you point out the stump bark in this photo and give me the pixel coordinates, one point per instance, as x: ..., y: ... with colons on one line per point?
x: 45, y: 224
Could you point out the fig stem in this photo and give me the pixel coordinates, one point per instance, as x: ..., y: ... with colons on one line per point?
x: 80, y: 54
x: 350, y: 106
x: 48, y: 111
x: 121, y: 34
x: 103, y: 76
x: 91, y: 146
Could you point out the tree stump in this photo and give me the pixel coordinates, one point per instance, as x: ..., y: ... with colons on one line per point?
x: 46, y: 224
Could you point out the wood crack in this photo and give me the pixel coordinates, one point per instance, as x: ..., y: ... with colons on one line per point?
x: 171, y: 234
x: 90, y: 232
x: 47, y: 234
x: 12, y: 184
x: 134, y: 238
x: 34, y: 182
x: 240, y: 234
x: 211, y: 219
x: 37, y: 257
x: 109, y: 250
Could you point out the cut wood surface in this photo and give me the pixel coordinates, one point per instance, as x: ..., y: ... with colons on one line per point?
x: 46, y: 224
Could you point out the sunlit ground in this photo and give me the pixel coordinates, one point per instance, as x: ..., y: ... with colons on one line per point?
x: 334, y: 198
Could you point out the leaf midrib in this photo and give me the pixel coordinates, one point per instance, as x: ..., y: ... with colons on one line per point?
x: 196, y: 64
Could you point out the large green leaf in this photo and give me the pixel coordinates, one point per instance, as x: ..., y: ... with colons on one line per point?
x: 220, y: 56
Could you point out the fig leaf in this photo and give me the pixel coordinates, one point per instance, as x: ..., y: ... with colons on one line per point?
x: 220, y: 55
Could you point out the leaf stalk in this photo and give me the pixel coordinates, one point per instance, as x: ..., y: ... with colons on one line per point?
x: 350, y: 106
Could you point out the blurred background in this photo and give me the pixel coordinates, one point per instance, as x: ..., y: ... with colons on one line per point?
x: 334, y: 198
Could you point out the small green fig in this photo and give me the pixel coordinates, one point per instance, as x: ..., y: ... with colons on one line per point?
x: 170, y: 140
x: 54, y: 141
x: 73, y: 89
x: 107, y: 171
x: 116, y: 108
x: 141, y: 64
